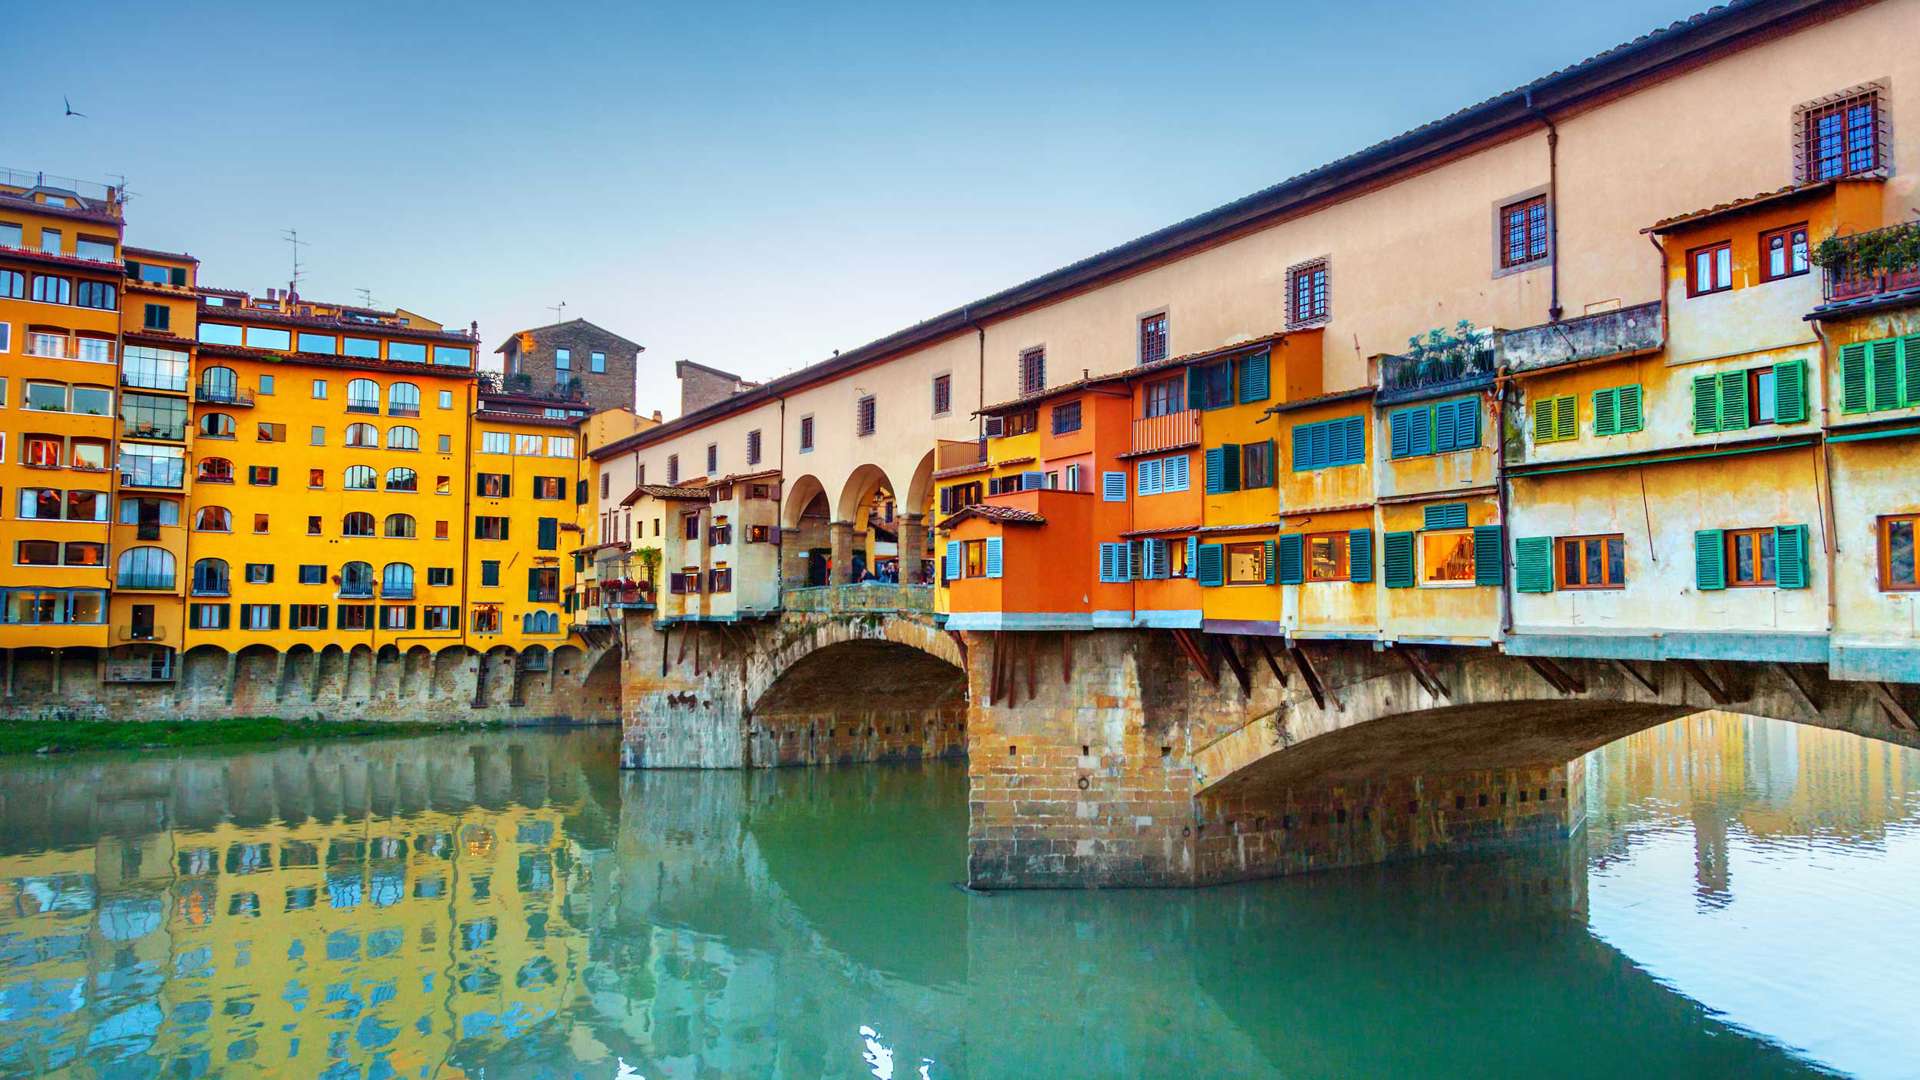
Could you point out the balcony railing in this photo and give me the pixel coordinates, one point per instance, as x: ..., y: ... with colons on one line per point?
x: 958, y: 453
x: 160, y: 432
x: 1167, y: 430
x: 223, y: 395
x: 138, y: 580
x: 52, y: 348
x: 1409, y: 373
x: 1590, y: 337
x: 1877, y: 261
x: 869, y: 596
x: 143, y: 633
x: 147, y: 380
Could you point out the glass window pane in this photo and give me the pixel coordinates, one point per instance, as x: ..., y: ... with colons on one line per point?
x: 219, y: 334
x: 406, y: 352
x: 267, y: 337
x: 1594, y: 576
x: 1743, y: 557
x: 1616, y: 562
x: 318, y: 343
x: 366, y: 348
x: 1900, y: 568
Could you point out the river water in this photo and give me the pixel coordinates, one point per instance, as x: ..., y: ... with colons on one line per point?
x: 1739, y: 904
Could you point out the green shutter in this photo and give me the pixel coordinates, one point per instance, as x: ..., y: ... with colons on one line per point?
x: 549, y: 533
x: 1543, y: 420
x: 1266, y: 554
x: 1910, y: 368
x: 1360, y: 555
x: 1790, y: 392
x: 1446, y: 516
x: 1253, y: 378
x: 1533, y: 564
x: 1631, y: 418
x: 1790, y: 556
x: 1213, y: 569
x: 1489, y: 555
x: 1398, y: 554
x: 1884, y: 367
x: 1853, y: 378
x: 1293, y: 559
x: 1706, y: 404
x: 1733, y: 401
x: 1709, y: 559
x: 1606, y: 411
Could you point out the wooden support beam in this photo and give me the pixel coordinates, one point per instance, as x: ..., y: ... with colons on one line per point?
x: 1884, y: 694
x: 1549, y: 672
x: 1273, y: 664
x: 1224, y: 646
x: 1321, y: 695
x: 1200, y: 664
x: 1033, y: 661
x: 999, y: 662
x: 6, y: 673
x: 1634, y: 674
x: 1423, y: 672
x: 960, y: 642
x: 1707, y: 682
x: 666, y: 649
x: 697, y: 635
x: 683, y: 648
x: 1066, y: 656
x: 1798, y: 690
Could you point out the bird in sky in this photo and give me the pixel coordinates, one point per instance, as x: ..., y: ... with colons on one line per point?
x: 69, y: 104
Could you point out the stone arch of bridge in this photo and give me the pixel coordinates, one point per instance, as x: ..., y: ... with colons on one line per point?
x: 856, y: 495
x: 824, y: 642
x: 802, y: 492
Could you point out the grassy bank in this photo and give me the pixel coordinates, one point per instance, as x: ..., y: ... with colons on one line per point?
x: 62, y: 736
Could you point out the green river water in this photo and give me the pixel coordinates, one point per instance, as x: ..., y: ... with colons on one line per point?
x: 1739, y: 904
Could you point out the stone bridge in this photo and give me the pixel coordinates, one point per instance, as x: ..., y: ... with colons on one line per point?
x: 1153, y: 758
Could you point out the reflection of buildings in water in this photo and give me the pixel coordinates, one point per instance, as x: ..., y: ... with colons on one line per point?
x: 361, y: 941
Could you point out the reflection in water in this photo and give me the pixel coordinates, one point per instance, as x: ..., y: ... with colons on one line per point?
x: 509, y: 905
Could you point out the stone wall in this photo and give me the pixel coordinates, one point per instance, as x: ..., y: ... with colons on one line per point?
x: 612, y: 389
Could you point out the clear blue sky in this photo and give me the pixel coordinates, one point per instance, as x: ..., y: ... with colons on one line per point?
x: 751, y: 187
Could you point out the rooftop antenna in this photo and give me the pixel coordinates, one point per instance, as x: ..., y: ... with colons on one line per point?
x: 559, y: 311
x: 292, y: 237
x: 366, y: 296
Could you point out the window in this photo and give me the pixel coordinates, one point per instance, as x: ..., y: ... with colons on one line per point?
x: 360, y: 478
x: 210, y: 577
x: 1738, y: 400
x: 1326, y: 444
x: 152, y: 466
x: 1523, y: 232
x: 313, y: 525
x: 323, y: 344
x: 266, y: 386
x: 1256, y: 464
x: 942, y: 394
x: 1556, y: 419
x: 1710, y: 268
x: 356, y: 579
x: 1841, y: 136
x: 402, y: 479
x: 402, y: 437
x: 526, y: 445
x: 1751, y: 557
x: 492, y: 485
x: 407, y: 352
x: 319, y: 389
x: 1033, y: 371
x: 443, y: 485
x: 440, y: 617
x: 313, y: 574
x: 1446, y: 557
x: 262, y: 337
x: 1307, y: 293
x: 363, y: 435
x: 396, y: 616
x: 213, y: 519
x: 806, y: 434
x: 439, y: 576
x: 158, y: 317
x: 1247, y: 563
x: 446, y: 399
x: 1591, y: 562
x: 451, y: 356
x: 153, y: 369
x: 495, y: 442
x: 1066, y: 417
x: 1163, y: 397
x: 95, y: 294
x: 213, y: 425
x: 690, y: 526
x: 396, y: 581
x: 1020, y: 423
x: 753, y: 447
x: 1783, y: 253
x: 399, y: 527
x: 489, y: 528
x: 560, y: 446
x: 209, y: 616
x: 543, y: 584
x: 713, y: 458
x: 1153, y: 338
x: 259, y: 573
x: 357, y: 523
x: 52, y: 290
x: 363, y: 395
x: 266, y: 432
x: 673, y: 468
x: 489, y: 572
x: 549, y: 487
x: 13, y: 284
x: 1327, y: 556
x: 597, y: 363
x: 364, y: 348
x: 563, y: 359
x: 446, y: 444
x: 403, y: 399
x: 145, y: 568
x: 356, y: 616
x: 865, y: 416
x: 1616, y: 410
x: 306, y: 616
x: 1897, y: 562
x: 263, y: 475
x: 1439, y: 428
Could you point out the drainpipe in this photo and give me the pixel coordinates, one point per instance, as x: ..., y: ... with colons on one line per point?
x: 780, y: 514
x: 980, y: 385
x: 1502, y: 387
x: 1824, y: 477
x: 1553, y: 206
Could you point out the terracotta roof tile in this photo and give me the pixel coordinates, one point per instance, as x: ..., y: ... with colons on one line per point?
x: 1005, y: 515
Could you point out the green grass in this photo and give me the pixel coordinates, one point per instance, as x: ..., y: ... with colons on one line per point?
x: 33, y: 736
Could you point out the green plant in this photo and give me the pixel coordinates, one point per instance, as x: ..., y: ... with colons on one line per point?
x: 1896, y: 247
x: 649, y: 562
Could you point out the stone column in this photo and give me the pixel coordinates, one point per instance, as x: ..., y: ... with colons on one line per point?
x: 913, y: 547
x: 840, y: 536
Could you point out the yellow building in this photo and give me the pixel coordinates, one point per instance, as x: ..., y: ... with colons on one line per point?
x: 523, y: 520
x: 60, y: 282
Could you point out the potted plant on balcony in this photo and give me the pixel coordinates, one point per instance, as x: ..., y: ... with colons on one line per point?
x: 649, y: 565
x: 1868, y: 255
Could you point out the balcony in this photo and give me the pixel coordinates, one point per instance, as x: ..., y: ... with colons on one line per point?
x: 143, y: 633
x: 144, y: 581
x: 1439, y: 363
x: 1623, y: 332
x: 1167, y: 431
x: 49, y: 347
x: 223, y: 395
x: 1872, y: 263
x: 864, y: 597
x: 154, y: 432
x: 149, y: 380
x: 150, y: 481
x: 958, y: 453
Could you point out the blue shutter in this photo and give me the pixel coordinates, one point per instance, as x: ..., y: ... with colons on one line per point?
x: 1149, y: 480
x: 1216, y: 470
x: 1193, y: 556
x: 953, y: 560
x: 1253, y: 378
x: 1447, y: 516
x: 1173, y: 475
x: 1489, y: 555
x: 1420, y: 424
x: 1113, y: 487
x: 1106, y: 562
x: 1031, y: 481
x: 549, y: 538
x: 1443, y: 427
x: 1350, y: 441
x: 1303, y: 447
x: 1400, y: 437
x: 1292, y: 556
x: 1457, y: 424
x: 1230, y: 459
x: 1136, y: 560
x: 1360, y: 555
x: 1790, y: 556
x: 993, y: 556
x: 1398, y: 559
x: 1153, y: 563
x: 1710, y: 559
x: 1196, y: 389
x: 1267, y: 560
x: 1212, y: 565
x: 1533, y: 564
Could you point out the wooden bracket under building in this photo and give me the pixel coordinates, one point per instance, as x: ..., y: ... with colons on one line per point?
x: 959, y: 640
x: 1891, y: 704
x: 1273, y: 665
x: 1707, y: 682
x: 1066, y: 657
x: 1633, y: 673
x: 1224, y: 646
x: 1187, y: 645
x: 1799, y: 690
x: 1556, y: 676
x: 1033, y: 661
x: 1423, y: 672
x: 1321, y: 695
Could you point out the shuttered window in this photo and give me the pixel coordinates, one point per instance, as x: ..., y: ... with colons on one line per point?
x: 993, y: 556
x: 1148, y: 473
x: 1292, y: 557
x: 549, y: 533
x: 1738, y: 400
x: 1253, y: 378
x: 1329, y: 443
x: 1880, y: 375
x: 1113, y: 487
x: 1556, y: 419
x: 1223, y: 469
x: 1533, y: 564
x: 1210, y: 561
x: 1439, y: 428
x: 1410, y: 433
x: 1398, y: 554
x: 1173, y: 473
x: 1360, y: 555
x: 1445, y: 516
x: 953, y: 560
x: 1751, y: 558
x: 1617, y: 411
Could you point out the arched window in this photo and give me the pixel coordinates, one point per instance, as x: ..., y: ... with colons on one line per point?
x: 356, y: 579
x: 403, y: 480
x: 362, y: 435
x: 400, y: 527
x: 402, y: 437
x: 210, y: 577
x: 396, y: 581
x: 403, y: 399
x: 360, y: 478
x: 212, y: 519
x: 219, y: 384
x: 146, y: 568
x: 357, y: 524
x: 540, y: 622
x: 363, y: 395
x: 216, y: 425
x: 214, y: 470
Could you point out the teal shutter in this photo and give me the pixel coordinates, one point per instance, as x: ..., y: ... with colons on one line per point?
x: 1253, y: 378
x: 1733, y: 401
x: 1303, y: 452
x: 1398, y: 553
x: 1710, y: 559
x: 1790, y: 556
x: 1292, y: 557
x: 1230, y: 463
x: 953, y: 560
x: 1446, y: 516
x: 1193, y: 556
x: 549, y: 534
x: 1360, y: 555
x: 1407, y: 432
x: 993, y: 556
x: 1216, y: 470
x: 1196, y: 389
x: 1466, y: 419
x: 1606, y: 411
x: 1267, y: 560
x: 1790, y: 392
x: 1489, y: 555
x: 1631, y: 417
x: 1213, y: 565
x: 1351, y: 442
x: 1533, y: 564
x: 1420, y: 428
x: 1853, y: 378
x: 1443, y: 427
x: 1706, y: 404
